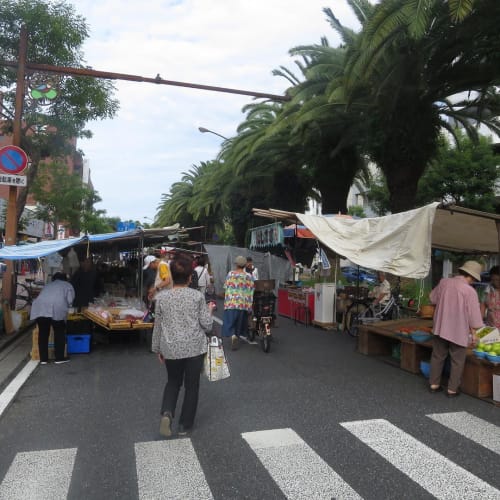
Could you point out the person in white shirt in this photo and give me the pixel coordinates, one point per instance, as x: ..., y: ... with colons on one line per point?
x: 203, y: 275
x: 382, y: 292
x: 251, y: 269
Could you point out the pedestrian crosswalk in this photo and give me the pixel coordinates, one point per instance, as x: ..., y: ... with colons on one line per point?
x: 171, y: 468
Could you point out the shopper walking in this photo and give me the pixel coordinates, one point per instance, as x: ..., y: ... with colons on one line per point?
x: 238, y: 299
x: 182, y: 322
x: 251, y: 269
x: 457, y: 315
x: 149, y: 269
x: 203, y: 276
x: 50, y: 309
x: 163, y: 279
x: 490, y: 304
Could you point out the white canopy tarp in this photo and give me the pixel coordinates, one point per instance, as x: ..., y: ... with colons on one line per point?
x: 399, y: 244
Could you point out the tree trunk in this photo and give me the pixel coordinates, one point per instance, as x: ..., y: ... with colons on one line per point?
x: 402, y: 184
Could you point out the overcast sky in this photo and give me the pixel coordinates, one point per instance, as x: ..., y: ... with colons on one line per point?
x: 154, y: 138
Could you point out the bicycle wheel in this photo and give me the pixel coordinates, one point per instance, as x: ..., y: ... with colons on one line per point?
x: 266, y: 343
x: 251, y: 333
x: 23, y: 296
x: 393, y: 313
x: 354, y: 316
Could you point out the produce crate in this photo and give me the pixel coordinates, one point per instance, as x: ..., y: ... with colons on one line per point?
x: 78, y: 344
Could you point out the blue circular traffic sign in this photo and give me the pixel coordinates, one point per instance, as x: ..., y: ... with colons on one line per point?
x: 12, y: 160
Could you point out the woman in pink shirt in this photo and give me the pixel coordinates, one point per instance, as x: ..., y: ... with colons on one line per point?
x: 457, y: 315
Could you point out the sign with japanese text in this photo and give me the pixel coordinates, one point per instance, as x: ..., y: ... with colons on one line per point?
x: 13, y: 180
x: 267, y: 236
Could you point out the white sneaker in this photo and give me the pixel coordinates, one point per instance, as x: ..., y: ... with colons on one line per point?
x: 60, y: 362
x: 165, y: 425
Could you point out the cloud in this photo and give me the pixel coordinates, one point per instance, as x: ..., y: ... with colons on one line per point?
x: 135, y: 157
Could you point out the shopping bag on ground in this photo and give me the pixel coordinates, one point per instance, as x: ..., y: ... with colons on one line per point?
x: 216, y: 366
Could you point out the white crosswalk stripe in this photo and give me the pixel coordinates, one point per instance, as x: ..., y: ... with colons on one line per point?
x: 39, y: 475
x: 170, y: 469
x: 297, y: 469
x: 434, y: 472
x: 473, y: 428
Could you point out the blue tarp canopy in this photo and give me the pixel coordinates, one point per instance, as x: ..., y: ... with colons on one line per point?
x: 128, y: 239
x: 35, y: 250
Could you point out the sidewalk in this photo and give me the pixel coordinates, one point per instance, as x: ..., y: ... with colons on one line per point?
x: 14, y: 353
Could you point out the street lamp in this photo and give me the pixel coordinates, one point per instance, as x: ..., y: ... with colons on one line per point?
x: 204, y: 130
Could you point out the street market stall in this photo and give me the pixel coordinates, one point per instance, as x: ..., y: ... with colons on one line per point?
x: 404, y: 343
x: 401, y: 244
x: 111, y: 246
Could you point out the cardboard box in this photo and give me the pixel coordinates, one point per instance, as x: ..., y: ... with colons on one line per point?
x: 490, y: 338
x: 496, y: 388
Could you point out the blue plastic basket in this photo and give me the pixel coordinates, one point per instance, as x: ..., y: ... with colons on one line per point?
x: 479, y: 354
x: 493, y: 359
x: 78, y: 344
x: 419, y: 336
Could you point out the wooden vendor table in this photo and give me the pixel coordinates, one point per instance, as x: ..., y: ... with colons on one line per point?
x: 113, y: 323
x: 378, y: 339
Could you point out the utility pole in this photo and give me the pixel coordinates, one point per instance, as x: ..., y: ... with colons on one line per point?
x: 9, y: 281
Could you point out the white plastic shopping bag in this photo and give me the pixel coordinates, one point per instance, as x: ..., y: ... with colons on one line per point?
x: 216, y: 367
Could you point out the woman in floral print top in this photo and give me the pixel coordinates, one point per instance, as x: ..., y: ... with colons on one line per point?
x: 238, y: 299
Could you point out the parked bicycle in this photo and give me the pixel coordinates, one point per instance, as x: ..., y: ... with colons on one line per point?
x: 364, y: 310
x: 26, y: 292
x: 263, y: 316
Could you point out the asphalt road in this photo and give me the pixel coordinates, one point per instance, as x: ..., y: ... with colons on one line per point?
x: 312, y: 419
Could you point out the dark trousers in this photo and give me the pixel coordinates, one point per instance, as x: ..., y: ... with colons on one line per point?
x: 179, y: 371
x: 59, y: 327
x: 440, y: 350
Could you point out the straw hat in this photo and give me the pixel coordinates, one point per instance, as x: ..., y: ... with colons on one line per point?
x: 472, y: 268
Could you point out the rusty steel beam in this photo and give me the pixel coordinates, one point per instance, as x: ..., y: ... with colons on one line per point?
x: 64, y: 70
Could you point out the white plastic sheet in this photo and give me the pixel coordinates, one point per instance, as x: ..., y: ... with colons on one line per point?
x: 399, y: 244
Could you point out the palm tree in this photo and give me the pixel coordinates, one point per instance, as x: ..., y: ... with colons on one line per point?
x: 329, y: 134
x: 415, y: 67
x: 265, y: 170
